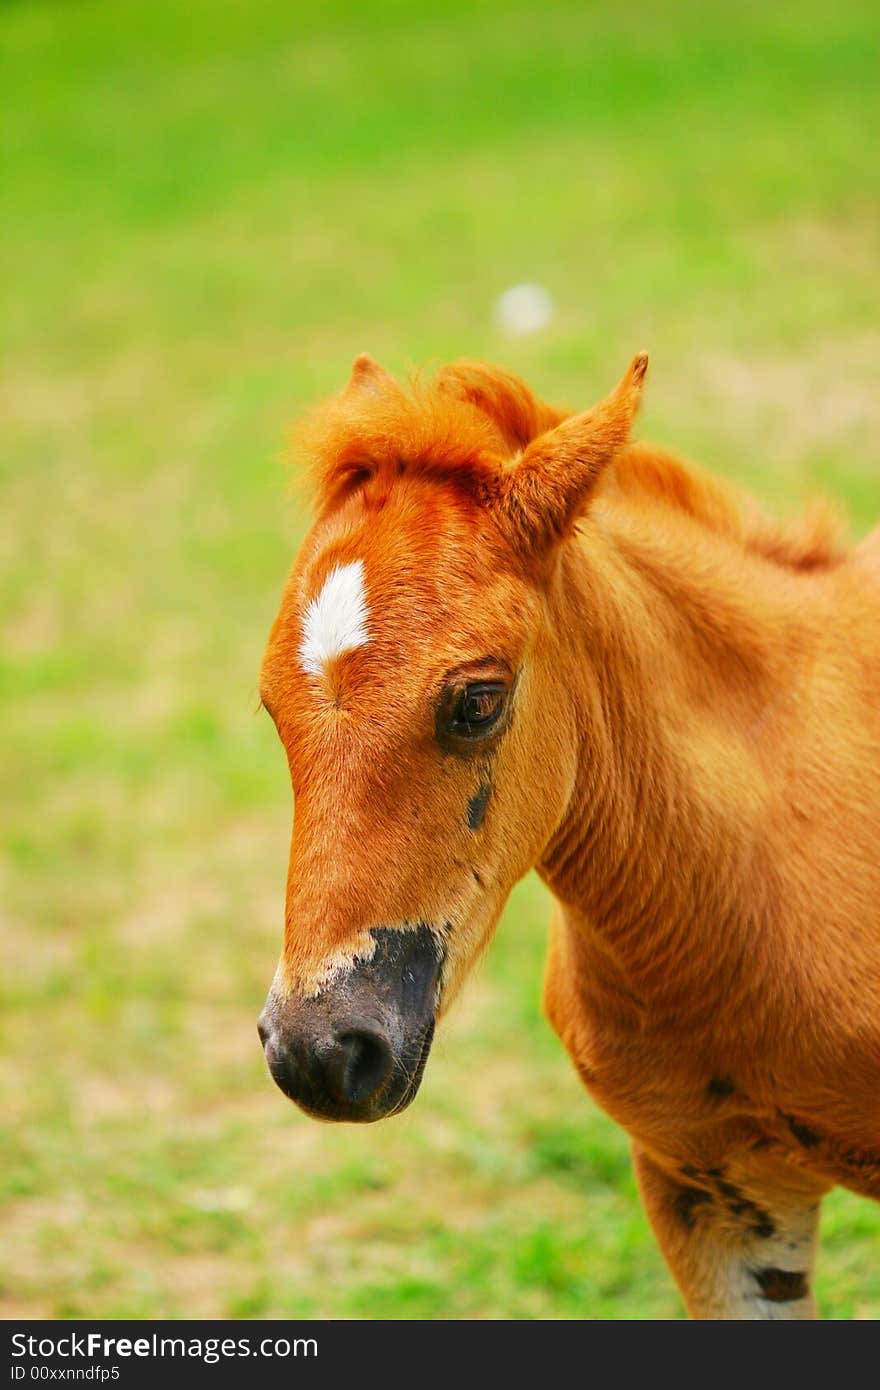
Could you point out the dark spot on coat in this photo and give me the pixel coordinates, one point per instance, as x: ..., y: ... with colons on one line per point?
x: 737, y: 1203
x: 802, y: 1133
x: 686, y: 1202
x: 759, y: 1221
x: 721, y: 1086
x: 763, y: 1226
x: 477, y: 879
x: 477, y: 805
x: 782, y: 1285
x: 727, y: 1189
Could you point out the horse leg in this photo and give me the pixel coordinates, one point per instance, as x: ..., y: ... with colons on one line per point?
x: 734, y: 1256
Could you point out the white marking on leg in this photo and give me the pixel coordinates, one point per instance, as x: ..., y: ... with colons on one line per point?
x: 335, y: 621
x: 769, y: 1277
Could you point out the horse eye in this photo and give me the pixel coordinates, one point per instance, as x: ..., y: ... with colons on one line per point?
x: 476, y: 709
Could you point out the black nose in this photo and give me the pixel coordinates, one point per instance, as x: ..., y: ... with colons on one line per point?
x: 357, y: 1049
x: 356, y: 1064
x: 339, y: 1074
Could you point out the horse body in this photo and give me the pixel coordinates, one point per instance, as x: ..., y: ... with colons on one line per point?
x: 715, y: 960
x: 683, y: 736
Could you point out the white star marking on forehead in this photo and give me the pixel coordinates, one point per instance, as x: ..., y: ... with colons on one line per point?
x: 335, y: 621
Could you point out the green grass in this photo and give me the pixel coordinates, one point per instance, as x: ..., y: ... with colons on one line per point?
x: 206, y: 211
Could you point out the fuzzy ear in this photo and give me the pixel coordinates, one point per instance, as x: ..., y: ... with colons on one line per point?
x: 545, y: 491
x: 367, y: 376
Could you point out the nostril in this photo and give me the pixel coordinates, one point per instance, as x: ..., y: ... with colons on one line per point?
x: 359, y: 1064
x: 263, y: 1031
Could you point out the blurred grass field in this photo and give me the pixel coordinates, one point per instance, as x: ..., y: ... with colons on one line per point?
x: 206, y: 211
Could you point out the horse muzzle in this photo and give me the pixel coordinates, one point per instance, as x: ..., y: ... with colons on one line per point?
x: 357, y: 1051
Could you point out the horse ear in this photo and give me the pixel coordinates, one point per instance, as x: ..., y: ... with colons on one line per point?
x: 546, y: 490
x: 369, y: 377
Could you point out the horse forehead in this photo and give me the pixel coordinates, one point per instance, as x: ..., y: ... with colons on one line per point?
x: 355, y: 596
x: 343, y: 605
x: 391, y: 593
x: 386, y: 571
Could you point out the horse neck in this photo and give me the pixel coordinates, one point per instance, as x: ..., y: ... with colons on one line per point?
x: 672, y: 645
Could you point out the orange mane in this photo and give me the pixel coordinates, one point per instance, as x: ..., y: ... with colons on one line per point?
x: 646, y: 473
x: 471, y: 422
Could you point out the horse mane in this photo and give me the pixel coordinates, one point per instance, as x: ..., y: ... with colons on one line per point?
x: 469, y: 424
x: 647, y: 473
